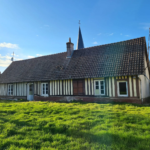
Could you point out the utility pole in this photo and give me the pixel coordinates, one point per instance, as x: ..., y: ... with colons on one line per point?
x: 148, y: 43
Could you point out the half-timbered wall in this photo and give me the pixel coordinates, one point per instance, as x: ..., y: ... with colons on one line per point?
x: 56, y: 87
x: 89, y: 86
x: 111, y: 89
x: 132, y: 85
x: 3, y: 89
x: 37, y: 88
x: 61, y: 87
x: 90, y: 89
x: 21, y: 89
x: 65, y: 87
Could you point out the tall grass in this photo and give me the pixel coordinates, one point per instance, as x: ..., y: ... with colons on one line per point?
x: 73, y: 126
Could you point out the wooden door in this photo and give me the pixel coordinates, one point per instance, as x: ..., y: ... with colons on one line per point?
x: 78, y: 87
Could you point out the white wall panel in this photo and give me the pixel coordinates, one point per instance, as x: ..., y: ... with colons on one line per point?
x: 71, y: 87
x: 50, y: 88
x: 60, y: 87
x: 130, y: 85
x: 134, y: 87
x: 89, y: 87
x: 86, y: 92
x: 64, y: 88
x: 110, y: 85
x: 92, y: 85
x: 113, y: 86
x: 68, y: 87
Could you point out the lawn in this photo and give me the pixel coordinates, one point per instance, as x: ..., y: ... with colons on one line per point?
x: 73, y: 126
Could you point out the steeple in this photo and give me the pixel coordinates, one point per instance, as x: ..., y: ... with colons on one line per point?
x: 80, y: 43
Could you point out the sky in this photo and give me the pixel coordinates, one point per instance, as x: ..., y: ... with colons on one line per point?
x: 32, y: 28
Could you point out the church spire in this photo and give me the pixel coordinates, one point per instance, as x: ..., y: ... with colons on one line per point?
x: 80, y: 43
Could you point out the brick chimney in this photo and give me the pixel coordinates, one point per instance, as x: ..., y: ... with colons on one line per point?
x: 70, y: 48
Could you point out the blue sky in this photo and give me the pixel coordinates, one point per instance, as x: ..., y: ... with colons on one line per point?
x: 33, y: 28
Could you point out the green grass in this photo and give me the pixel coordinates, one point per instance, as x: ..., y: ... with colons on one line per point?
x: 77, y: 126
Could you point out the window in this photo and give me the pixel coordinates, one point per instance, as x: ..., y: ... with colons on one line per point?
x: 122, y: 88
x: 99, y: 87
x: 10, y: 89
x: 44, y: 89
x: 31, y: 89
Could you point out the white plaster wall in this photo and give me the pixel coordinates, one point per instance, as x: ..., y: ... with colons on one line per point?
x: 145, y: 81
x: 3, y: 89
x: 145, y: 86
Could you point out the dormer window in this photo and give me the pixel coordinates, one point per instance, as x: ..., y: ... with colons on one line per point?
x: 10, y: 89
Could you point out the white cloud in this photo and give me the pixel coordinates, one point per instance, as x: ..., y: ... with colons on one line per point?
x: 145, y: 26
x: 30, y: 56
x: 4, y: 63
x: 8, y: 45
x: 99, y: 33
x: 120, y: 33
x: 95, y: 42
x: 18, y: 59
x: 37, y: 35
x: 39, y: 55
x: 6, y: 57
x: 111, y: 34
x: 127, y: 35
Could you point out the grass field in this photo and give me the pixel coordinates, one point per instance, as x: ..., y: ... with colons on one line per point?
x: 77, y: 126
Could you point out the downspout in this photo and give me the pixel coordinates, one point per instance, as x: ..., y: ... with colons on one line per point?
x: 146, y: 77
x: 141, y: 89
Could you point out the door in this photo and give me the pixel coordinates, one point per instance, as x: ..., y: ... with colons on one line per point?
x: 99, y: 87
x: 30, y: 92
x: 78, y: 87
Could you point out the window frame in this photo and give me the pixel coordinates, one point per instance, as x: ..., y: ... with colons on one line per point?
x: 118, y: 89
x: 99, y: 87
x: 10, y: 89
x: 45, y: 95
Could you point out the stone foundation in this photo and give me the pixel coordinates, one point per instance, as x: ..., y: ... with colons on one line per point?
x: 87, y: 99
x: 13, y: 97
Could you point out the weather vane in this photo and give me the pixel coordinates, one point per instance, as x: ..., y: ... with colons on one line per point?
x: 12, y: 59
x: 79, y: 23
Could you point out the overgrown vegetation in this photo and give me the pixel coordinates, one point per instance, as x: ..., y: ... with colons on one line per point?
x: 76, y: 126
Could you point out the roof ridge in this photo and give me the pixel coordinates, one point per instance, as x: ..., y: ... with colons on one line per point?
x: 39, y: 56
x: 112, y: 43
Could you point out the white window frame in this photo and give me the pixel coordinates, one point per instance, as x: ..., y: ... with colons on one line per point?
x: 10, y: 88
x: 46, y: 95
x: 99, y: 87
x: 118, y: 89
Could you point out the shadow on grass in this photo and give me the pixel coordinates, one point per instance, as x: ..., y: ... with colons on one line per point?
x: 111, y: 140
x: 112, y: 103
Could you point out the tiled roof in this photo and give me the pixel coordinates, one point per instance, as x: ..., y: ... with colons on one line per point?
x: 116, y: 59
